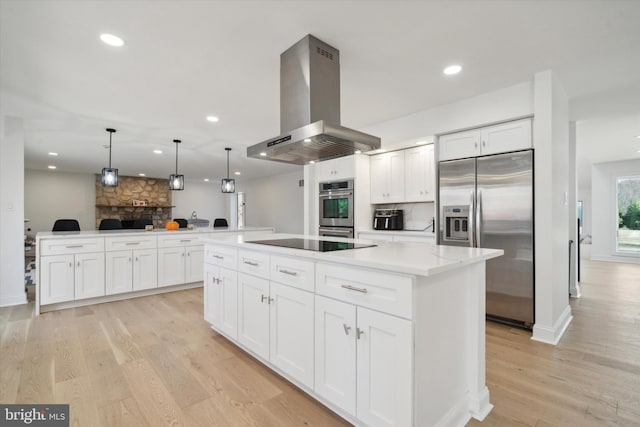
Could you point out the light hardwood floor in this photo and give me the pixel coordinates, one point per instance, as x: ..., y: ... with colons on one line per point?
x: 154, y: 361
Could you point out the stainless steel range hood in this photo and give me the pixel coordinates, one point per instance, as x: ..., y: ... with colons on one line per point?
x: 310, y: 109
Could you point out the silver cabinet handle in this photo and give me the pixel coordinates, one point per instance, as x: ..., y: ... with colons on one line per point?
x: 218, y: 257
x: 346, y: 328
x: 475, y: 145
x: 188, y: 253
x: 359, y: 333
x: 74, y: 246
x: 353, y: 288
x: 132, y: 243
x: 264, y: 297
x: 183, y: 254
x: 78, y: 263
x: 185, y: 240
x: 136, y: 259
x: 129, y: 259
x: 251, y: 263
x: 290, y: 273
x: 270, y: 300
x: 484, y: 143
x: 70, y: 264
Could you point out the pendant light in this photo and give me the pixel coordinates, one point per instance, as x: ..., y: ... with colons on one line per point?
x: 228, y: 185
x: 176, y: 182
x: 109, y: 175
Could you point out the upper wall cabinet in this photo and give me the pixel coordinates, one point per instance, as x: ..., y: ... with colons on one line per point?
x: 502, y: 138
x: 387, y: 177
x: 419, y: 174
x: 334, y: 169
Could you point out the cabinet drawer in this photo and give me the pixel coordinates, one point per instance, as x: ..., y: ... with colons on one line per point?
x: 293, y: 272
x: 221, y: 256
x: 71, y: 246
x: 386, y: 292
x: 181, y: 240
x: 122, y: 243
x: 255, y: 263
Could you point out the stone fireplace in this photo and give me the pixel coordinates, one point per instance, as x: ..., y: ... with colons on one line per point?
x: 118, y: 202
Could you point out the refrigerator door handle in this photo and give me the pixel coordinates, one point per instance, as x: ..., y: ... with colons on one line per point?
x: 479, y: 219
x: 471, y: 225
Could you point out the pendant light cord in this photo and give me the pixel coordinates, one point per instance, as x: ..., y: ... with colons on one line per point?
x: 176, y: 157
x: 228, y: 164
x: 110, y: 135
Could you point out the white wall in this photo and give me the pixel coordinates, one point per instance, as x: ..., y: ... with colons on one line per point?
x: 11, y: 211
x: 504, y: 104
x: 206, y: 198
x: 51, y: 195
x: 276, y: 201
x: 604, y: 208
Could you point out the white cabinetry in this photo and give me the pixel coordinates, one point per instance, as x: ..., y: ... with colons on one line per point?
x: 221, y: 299
x: 131, y: 264
x: 387, y: 177
x: 180, y: 260
x: 398, y: 236
x: 253, y: 314
x: 419, y: 174
x: 70, y: 270
x: 335, y: 169
x: 501, y: 138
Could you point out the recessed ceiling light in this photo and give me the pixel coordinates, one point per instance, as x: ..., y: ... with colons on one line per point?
x: 157, y: 151
x: 111, y: 40
x: 206, y: 180
x: 311, y: 162
x: 307, y: 140
x: 141, y: 174
x: 263, y: 154
x: 452, y: 69
x: 51, y: 167
x: 237, y: 173
x: 357, y: 152
x: 212, y: 119
x: 51, y: 153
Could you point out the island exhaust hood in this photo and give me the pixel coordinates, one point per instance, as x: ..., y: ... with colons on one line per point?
x: 310, y: 109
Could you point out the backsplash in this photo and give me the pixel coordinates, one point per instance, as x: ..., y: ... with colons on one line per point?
x: 417, y: 216
x: 117, y: 202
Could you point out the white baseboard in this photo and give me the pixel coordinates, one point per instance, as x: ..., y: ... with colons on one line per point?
x: 14, y: 300
x: 574, y: 291
x: 614, y: 258
x: 552, y: 335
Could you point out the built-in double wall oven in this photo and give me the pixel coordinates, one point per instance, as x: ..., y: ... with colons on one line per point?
x: 336, y: 208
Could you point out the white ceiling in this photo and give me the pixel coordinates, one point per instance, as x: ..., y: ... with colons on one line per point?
x: 184, y: 60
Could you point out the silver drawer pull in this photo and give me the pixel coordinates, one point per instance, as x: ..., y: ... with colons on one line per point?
x: 132, y: 243
x: 290, y: 273
x: 263, y: 298
x: 74, y: 246
x: 346, y: 328
x: 359, y: 333
x: 353, y: 288
x: 185, y: 240
x: 218, y: 257
x: 251, y: 263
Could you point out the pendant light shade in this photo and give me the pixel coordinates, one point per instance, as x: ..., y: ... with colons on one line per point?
x: 228, y: 185
x: 109, y: 175
x: 176, y: 181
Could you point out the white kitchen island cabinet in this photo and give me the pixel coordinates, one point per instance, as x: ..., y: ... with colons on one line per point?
x: 87, y: 267
x: 391, y: 335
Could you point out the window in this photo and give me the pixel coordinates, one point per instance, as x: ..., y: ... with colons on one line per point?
x: 628, y: 197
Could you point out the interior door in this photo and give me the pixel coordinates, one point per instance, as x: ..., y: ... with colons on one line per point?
x: 505, y: 219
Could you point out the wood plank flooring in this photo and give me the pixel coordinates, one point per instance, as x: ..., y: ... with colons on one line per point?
x: 154, y: 361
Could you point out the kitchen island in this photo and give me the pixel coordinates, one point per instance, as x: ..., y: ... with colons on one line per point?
x: 385, y: 335
x: 77, y: 268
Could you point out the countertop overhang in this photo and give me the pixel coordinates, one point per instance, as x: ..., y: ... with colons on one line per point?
x: 418, y: 259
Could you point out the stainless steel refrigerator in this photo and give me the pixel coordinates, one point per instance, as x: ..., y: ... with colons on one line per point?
x: 487, y: 202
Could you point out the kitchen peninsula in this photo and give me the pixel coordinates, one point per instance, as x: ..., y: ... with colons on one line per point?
x: 384, y: 335
x: 87, y: 267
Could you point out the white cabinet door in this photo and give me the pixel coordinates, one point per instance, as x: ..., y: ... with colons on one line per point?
x: 335, y: 169
x: 193, y: 267
x: 291, y: 332
x: 387, y: 177
x: 89, y: 275
x: 211, y: 295
x: 384, y: 369
x: 506, y: 137
x: 228, y: 297
x: 253, y: 314
x: 145, y: 269
x: 119, y: 274
x: 171, y: 266
x: 56, y: 279
x: 335, y: 352
x: 419, y: 174
x: 459, y: 145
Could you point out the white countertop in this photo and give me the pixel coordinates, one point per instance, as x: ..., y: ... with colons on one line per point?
x: 419, y: 259
x: 421, y: 233
x: 138, y: 232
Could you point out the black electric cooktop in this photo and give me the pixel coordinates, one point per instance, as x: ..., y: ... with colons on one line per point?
x: 312, y: 245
